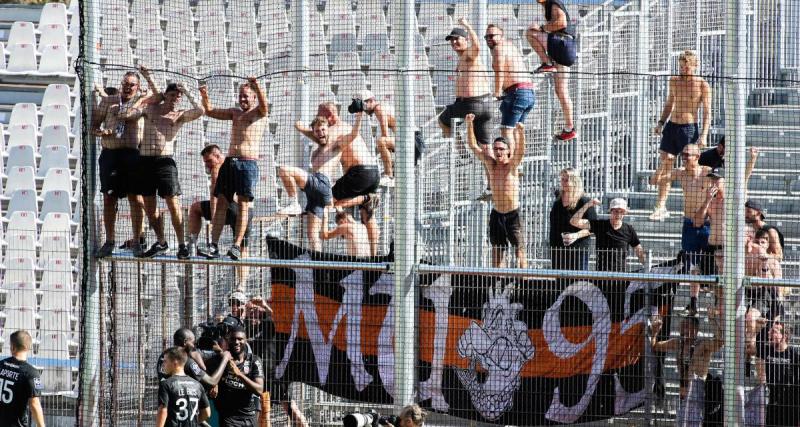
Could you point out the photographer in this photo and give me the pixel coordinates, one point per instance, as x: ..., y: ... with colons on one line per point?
x: 410, y: 416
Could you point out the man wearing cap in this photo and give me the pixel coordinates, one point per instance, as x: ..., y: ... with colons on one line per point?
x: 238, y: 301
x: 512, y: 83
x: 473, y: 94
x: 755, y: 216
x: 612, y: 235
x: 714, y: 157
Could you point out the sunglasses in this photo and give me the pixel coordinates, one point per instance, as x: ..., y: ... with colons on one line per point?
x: 490, y: 36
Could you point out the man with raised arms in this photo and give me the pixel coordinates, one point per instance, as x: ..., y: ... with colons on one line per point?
x: 687, y: 93
x: 512, y: 82
x: 505, y: 225
x: 238, y: 175
x: 156, y: 171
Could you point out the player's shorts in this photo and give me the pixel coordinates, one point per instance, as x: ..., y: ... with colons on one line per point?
x: 518, y: 101
x: 505, y: 228
x: 358, y: 181
x: 237, y: 176
x: 675, y: 137
x: 239, y: 421
x: 117, y: 169
x: 480, y: 106
x: 157, y: 175
x: 562, y: 49
x: 231, y: 216
x: 318, y: 193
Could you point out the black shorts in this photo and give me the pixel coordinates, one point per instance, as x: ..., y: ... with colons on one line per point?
x: 505, y: 228
x: 231, y: 216
x: 237, y: 176
x: 239, y: 421
x: 674, y: 137
x: 358, y: 181
x: 481, y: 106
x: 562, y: 49
x: 157, y: 175
x: 117, y: 169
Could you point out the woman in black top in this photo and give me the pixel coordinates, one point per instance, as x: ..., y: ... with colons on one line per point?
x: 569, y: 246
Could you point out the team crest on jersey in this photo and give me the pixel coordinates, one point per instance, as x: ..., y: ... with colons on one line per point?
x: 37, y: 383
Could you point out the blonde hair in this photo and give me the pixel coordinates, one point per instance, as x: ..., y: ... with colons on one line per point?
x: 414, y: 413
x: 573, y: 193
x: 690, y: 57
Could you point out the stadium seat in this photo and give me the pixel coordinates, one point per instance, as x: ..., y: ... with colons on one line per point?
x: 144, y: 13
x: 350, y: 85
x: 55, y: 201
x: 245, y: 52
x: 54, y: 239
x: 18, y: 318
x: 319, y: 74
x: 54, y: 60
x: 335, y: 8
x: 501, y: 15
x: 438, y: 28
x: 53, y: 13
x: 19, y: 293
x: 57, y: 179
x: 424, y: 108
x: 445, y: 82
x: 54, y: 135
x: 55, y: 115
x: 22, y: 201
x: 53, y: 345
x: 52, y: 34
x: 24, y: 113
x: 20, y: 269
x: 429, y: 9
x: 382, y: 76
x: 19, y: 178
x: 54, y: 320
x: 20, y: 156
x: 340, y: 43
x: 56, y: 94
x: 54, y: 157
x: 21, y: 58
x: 372, y: 44
x: 22, y: 32
x: 22, y: 135
x: 462, y: 9
x: 316, y: 34
x: 273, y: 21
x: 21, y: 236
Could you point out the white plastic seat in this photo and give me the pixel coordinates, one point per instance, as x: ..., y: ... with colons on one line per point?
x: 22, y: 32
x: 437, y: 28
x: 20, y: 178
x: 319, y: 74
x: 22, y: 200
x: 56, y: 201
x: 370, y: 15
x: 372, y: 44
x: 21, y: 58
x: 54, y: 356
x: 21, y: 156
x: 245, y: 52
x: 18, y: 318
x: 52, y: 34
x: 23, y: 113
x: 21, y: 236
x: 55, y: 136
x: 55, y: 114
x: 53, y: 345
x: 19, y: 294
x: 57, y: 179
x: 424, y: 108
x: 273, y: 21
x: 54, y: 239
x: 54, y: 60
x: 21, y: 135
x: 54, y: 163
x: 56, y: 93
x: 21, y: 269
x: 342, y: 42
x: 462, y: 9
x: 54, y: 13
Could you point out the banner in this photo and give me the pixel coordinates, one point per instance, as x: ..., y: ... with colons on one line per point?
x: 522, y: 352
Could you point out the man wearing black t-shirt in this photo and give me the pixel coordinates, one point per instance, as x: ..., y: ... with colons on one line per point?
x: 20, y: 386
x: 714, y: 157
x: 184, y: 338
x: 238, y: 396
x: 182, y: 401
x: 781, y: 374
x: 612, y: 235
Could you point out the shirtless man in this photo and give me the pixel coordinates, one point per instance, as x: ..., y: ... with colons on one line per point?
x: 473, y: 94
x: 156, y: 171
x: 512, y: 83
x: 687, y: 93
x: 554, y: 43
x: 754, y: 216
x: 120, y: 154
x: 238, y: 175
x: 501, y: 170
x: 353, y: 233
x: 316, y: 184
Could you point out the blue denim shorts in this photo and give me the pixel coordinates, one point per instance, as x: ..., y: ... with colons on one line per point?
x: 237, y: 176
x: 515, y: 107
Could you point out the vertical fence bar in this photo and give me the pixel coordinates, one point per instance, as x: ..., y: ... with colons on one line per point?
x: 302, y: 50
x: 734, y: 212
x: 642, y: 69
x: 404, y: 327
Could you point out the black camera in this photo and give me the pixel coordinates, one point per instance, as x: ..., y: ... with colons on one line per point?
x: 369, y: 419
x: 212, y: 332
x: 356, y: 106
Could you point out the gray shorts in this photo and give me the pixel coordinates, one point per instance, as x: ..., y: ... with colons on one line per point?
x: 318, y: 193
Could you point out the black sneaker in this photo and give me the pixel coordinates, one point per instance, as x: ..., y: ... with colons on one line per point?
x: 156, y: 249
x: 106, y: 250
x: 373, y: 200
x: 183, y: 252
x: 130, y: 245
x: 211, y: 252
x: 235, y: 253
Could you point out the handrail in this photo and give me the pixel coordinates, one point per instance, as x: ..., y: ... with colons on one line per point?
x: 761, y: 281
x: 258, y: 262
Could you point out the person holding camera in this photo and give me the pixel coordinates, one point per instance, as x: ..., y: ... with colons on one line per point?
x: 410, y: 416
x: 184, y: 338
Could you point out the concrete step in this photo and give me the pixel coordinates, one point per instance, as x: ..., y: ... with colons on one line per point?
x: 773, y: 136
x: 789, y: 225
x: 773, y: 203
x: 774, y: 115
x: 781, y: 95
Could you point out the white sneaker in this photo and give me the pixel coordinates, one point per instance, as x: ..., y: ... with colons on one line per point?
x: 659, y: 214
x: 292, y: 210
x: 387, y: 181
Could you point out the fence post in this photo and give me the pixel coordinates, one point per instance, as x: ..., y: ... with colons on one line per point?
x: 90, y: 319
x: 642, y: 69
x: 735, y: 45
x: 301, y: 62
x: 404, y: 289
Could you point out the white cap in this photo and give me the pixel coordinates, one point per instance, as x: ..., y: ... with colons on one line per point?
x: 238, y: 296
x: 366, y: 94
x: 618, y: 204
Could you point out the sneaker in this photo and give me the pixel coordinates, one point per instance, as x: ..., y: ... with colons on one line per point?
x: 387, y: 181
x: 566, y: 135
x: 106, y: 250
x: 293, y: 209
x: 486, y: 196
x: 156, y: 249
x: 545, y: 68
x: 129, y: 243
x: 235, y: 253
x: 373, y: 200
x: 183, y: 252
x: 659, y: 214
x: 211, y: 252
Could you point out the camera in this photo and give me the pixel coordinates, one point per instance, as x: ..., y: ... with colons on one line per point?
x: 212, y: 332
x: 371, y: 418
x: 356, y: 106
